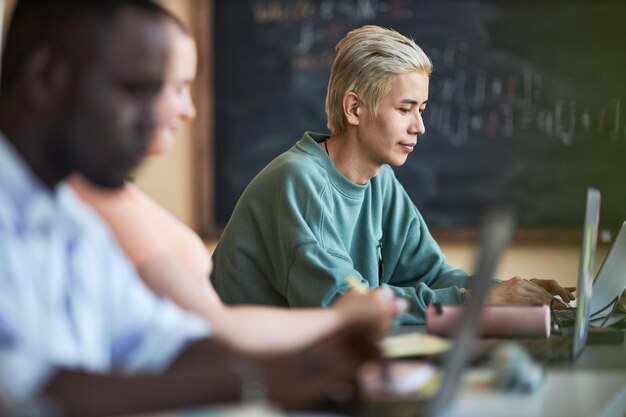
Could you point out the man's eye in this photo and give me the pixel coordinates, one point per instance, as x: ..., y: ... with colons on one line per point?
x: 403, y: 110
x: 140, y: 88
x: 131, y: 87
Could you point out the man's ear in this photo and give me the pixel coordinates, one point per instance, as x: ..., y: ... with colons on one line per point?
x: 45, y: 79
x: 351, y: 108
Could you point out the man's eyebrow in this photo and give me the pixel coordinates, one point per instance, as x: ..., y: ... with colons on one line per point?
x: 411, y: 101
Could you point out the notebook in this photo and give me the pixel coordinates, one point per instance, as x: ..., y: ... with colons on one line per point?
x: 496, y: 233
x: 610, y: 280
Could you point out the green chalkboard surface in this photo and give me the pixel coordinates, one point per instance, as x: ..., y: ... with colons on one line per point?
x: 527, y: 100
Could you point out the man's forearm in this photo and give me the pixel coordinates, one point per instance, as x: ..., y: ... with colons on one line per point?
x: 200, y: 375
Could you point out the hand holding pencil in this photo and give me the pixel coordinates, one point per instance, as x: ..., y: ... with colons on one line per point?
x: 376, y: 307
x: 400, y: 304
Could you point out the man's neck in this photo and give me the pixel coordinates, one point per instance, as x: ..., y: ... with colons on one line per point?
x: 39, y: 163
x: 31, y: 146
x: 348, y: 158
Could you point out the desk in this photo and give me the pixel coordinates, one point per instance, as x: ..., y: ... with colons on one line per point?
x: 593, y: 385
x: 565, y: 393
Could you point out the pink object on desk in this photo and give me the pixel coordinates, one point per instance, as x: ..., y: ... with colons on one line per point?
x: 496, y: 320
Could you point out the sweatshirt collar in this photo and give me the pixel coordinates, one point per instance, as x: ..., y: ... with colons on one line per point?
x: 310, y: 143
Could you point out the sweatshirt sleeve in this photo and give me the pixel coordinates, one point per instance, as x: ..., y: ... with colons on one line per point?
x: 418, y: 271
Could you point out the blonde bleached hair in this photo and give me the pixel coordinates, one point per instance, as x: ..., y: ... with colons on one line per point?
x: 366, y: 59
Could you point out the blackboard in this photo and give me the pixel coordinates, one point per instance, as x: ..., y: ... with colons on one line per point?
x: 527, y: 100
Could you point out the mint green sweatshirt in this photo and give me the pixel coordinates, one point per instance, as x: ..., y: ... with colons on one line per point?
x: 301, y: 227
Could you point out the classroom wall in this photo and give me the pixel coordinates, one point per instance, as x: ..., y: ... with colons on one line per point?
x: 8, y: 5
x: 169, y: 180
x: 536, y: 260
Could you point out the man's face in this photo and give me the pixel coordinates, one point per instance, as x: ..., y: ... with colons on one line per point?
x: 391, y: 135
x: 110, y: 118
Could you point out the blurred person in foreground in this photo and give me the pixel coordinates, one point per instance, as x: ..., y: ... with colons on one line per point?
x: 77, y: 326
x: 331, y: 206
x: 174, y: 262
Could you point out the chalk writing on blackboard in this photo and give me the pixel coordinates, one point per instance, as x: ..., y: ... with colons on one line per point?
x: 283, y: 11
x: 526, y: 113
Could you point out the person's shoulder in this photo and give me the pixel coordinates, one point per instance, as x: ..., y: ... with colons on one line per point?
x: 94, y: 232
x: 84, y: 216
x: 392, y: 191
x: 387, y: 178
x: 142, y: 200
x: 101, y: 199
x: 300, y: 165
x: 386, y: 172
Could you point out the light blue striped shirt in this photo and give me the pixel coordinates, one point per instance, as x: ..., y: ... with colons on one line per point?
x: 68, y: 297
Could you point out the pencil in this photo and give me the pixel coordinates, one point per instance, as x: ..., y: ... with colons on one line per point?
x: 354, y: 283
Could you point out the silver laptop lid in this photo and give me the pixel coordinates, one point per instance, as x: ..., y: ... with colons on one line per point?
x: 586, y: 269
x: 611, y: 278
x: 495, y: 236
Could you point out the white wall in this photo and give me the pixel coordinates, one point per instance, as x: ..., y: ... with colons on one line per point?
x: 169, y: 178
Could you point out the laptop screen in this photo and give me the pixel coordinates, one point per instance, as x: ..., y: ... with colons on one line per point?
x: 586, y: 269
x: 611, y: 278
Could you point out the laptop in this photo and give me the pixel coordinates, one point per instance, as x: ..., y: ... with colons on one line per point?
x: 495, y: 235
x: 610, y: 281
x: 570, y: 343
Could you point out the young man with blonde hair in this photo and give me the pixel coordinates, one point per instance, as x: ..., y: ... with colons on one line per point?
x: 331, y: 207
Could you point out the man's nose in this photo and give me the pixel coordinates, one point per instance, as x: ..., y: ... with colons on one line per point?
x: 417, y: 127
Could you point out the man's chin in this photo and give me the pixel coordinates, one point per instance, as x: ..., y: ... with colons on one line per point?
x: 107, y: 182
x: 398, y: 162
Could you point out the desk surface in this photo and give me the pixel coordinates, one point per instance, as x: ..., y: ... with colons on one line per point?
x: 565, y: 393
x: 592, y: 385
